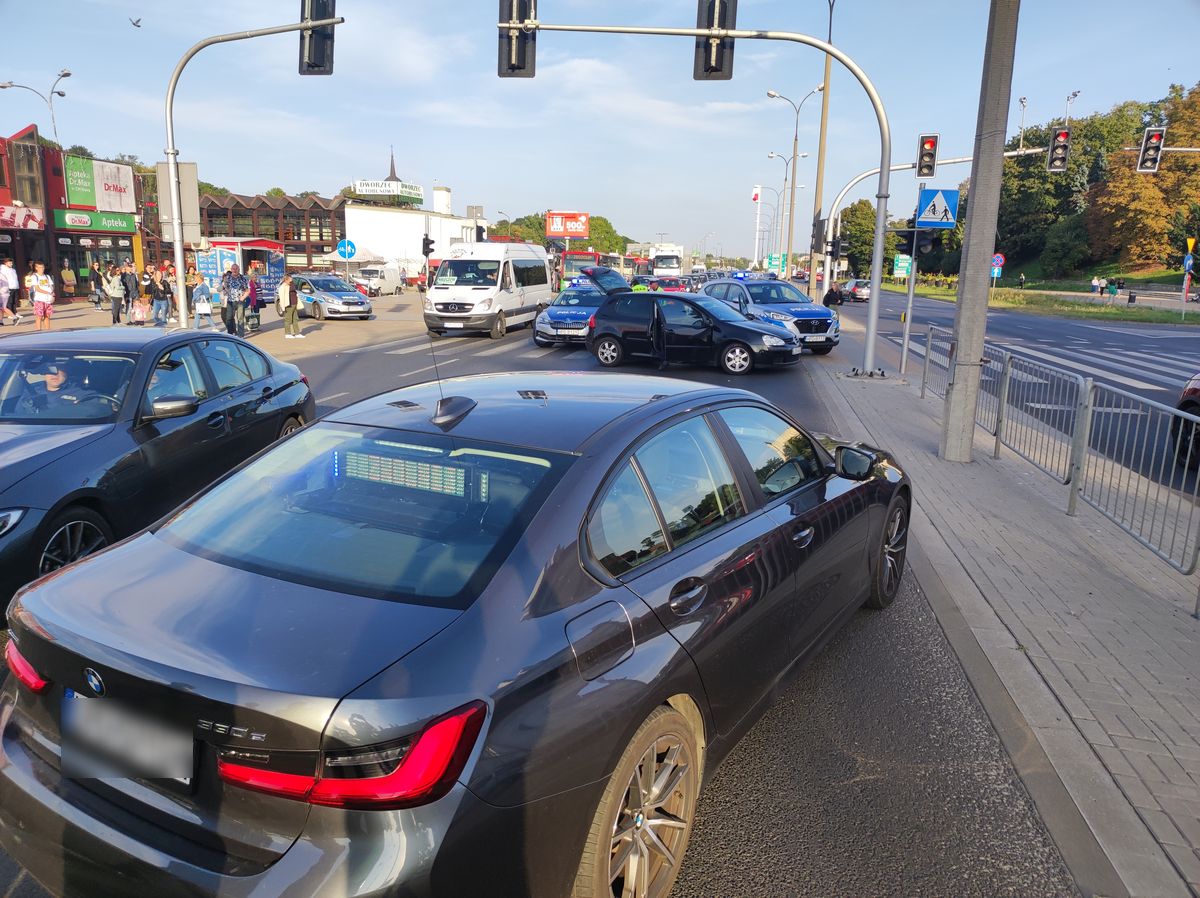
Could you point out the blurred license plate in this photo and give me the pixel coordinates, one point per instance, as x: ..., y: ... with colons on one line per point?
x: 814, y: 338
x: 102, y: 739
x: 797, y: 350
x: 569, y: 330
x: 454, y: 324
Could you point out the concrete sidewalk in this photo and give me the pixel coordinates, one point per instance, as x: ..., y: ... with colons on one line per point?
x: 1085, y: 632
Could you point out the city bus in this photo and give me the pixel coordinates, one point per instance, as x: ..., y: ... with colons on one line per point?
x: 574, y: 261
x: 631, y: 266
x: 611, y: 260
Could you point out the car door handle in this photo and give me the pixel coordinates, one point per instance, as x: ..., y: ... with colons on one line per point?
x: 216, y: 419
x: 687, y: 595
x: 266, y: 391
x: 803, y: 538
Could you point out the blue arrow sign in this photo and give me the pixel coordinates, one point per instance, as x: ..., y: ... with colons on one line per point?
x: 997, y: 271
x: 346, y: 249
x: 1188, y: 261
x: 937, y: 208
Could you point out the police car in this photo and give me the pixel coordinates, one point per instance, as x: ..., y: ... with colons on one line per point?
x: 778, y: 302
x: 566, y: 319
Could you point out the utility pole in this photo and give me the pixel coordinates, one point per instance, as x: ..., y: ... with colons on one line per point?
x: 979, y: 236
x: 820, y: 186
x: 757, y: 223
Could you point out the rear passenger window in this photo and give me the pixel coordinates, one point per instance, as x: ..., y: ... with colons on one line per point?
x: 690, y: 478
x: 255, y: 363
x: 717, y: 291
x: 634, y: 307
x: 529, y: 272
x: 782, y: 457
x: 227, y: 364
x: 624, y: 531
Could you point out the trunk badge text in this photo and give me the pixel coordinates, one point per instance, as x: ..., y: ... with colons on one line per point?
x: 225, y: 729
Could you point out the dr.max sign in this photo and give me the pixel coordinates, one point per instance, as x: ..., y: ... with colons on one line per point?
x: 568, y: 224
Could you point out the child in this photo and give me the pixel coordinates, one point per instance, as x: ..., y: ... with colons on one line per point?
x: 140, y: 311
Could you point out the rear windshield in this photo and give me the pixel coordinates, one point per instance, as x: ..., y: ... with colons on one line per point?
x: 376, y: 512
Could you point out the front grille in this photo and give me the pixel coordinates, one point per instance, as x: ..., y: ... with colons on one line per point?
x: 812, y: 325
x: 453, y: 307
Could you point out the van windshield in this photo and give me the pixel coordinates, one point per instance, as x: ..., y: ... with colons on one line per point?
x: 468, y: 273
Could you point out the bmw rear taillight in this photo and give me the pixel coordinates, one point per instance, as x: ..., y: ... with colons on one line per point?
x: 396, y: 775
x: 23, y: 670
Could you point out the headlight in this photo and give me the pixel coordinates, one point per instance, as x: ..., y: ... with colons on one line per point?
x: 428, y: 304
x: 484, y: 306
x: 768, y: 340
x: 543, y: 320
x: 9, y: 519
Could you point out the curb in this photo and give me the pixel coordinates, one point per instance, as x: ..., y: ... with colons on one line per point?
x: 1106, y: 846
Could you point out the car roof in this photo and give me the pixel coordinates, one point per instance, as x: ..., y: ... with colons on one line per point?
x: 551, y: 410
x: 119, y: 339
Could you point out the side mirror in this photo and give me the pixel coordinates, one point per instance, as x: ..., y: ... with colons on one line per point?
x: 853, y: 464
x: 173, y: 407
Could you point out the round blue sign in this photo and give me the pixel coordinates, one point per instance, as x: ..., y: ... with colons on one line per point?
x: 346, y: 249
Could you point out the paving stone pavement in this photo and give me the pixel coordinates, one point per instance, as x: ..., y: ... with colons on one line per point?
x: 1102, y: 626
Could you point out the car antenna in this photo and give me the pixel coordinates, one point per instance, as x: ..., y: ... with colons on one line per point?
x: 426, y: 245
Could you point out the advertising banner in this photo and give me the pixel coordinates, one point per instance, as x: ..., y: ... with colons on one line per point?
x: 22, y: 218
x: 72, y: 220
x: 413, y: 193
x: 81, y: 183
x: 568, y: 224
x: 113, y: 187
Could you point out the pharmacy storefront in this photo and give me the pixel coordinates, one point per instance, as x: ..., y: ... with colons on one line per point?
x: 81, y: 238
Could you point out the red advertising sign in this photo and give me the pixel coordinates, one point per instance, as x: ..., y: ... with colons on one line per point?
x: 567, y: 224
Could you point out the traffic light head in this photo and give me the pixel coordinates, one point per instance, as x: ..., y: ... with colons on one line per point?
x: 905, y: 243
x: 517, y: 57
x: 316, y: 44
x: 427, y: 246
x: 714, y: 56
x: 927, y: 153
x: 836, y: 248
x: 1150, y: 155
x: 1060, y: 150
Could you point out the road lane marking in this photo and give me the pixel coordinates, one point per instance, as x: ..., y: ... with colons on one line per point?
x: 496, y: 350
x: 331, y: 398
x: 1086, y: 369
x: 440, y: 364
x: 1136, y: 367
x: 537, y: 353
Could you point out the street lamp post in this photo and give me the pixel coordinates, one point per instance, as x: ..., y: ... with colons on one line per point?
x: 504, y: 215
x: 47, y: 98
x: 1024, y: 101
x: 781, y: 218
x: 1067, y: 115
x: 818, y: 197
x: 776, y: 95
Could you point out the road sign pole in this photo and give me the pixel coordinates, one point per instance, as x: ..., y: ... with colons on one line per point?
x: 912, y: 288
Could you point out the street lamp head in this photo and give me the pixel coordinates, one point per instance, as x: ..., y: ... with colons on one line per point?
x: 804, y: 155
x: 773, y: 94
x: 65, y: 73
x: 1073, y: 95
x: 4, y: 85
x: 820, y: 87
x: 60, y: 93
x: 1024, y: 101
x: 773, y: 155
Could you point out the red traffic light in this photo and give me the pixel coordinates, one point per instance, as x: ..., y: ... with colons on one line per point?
x: 1155, y: 137
x: 1062, y: 136
x: 929, y: 144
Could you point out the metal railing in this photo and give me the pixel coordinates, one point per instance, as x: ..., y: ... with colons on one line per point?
x: 1134, y: 460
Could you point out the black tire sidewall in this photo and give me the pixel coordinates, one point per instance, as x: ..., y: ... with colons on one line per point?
x: 878, y: 599
x: 725, y: 350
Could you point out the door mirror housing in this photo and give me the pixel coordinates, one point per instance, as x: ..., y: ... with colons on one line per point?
x: 853, y: 464
x: 173, y: 407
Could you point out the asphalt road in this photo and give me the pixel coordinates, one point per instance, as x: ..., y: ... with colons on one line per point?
x: 876, y: 773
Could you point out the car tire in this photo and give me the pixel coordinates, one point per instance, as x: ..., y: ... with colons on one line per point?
x: 499, y: 326
x: 889, y: 565
x: 636, y: 826
x: 737, y: 358
x: 73, y: 533
x: 609, y: 352
x: 432, y: 333
x: 1185, y: 441
x: 290, y: 426
x: 822, y: 350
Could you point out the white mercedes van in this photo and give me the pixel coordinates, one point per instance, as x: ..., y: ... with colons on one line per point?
x: 488, y: 287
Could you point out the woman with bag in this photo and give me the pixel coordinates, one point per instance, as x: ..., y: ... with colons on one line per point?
x: 114, y: 289
x: 289, y: 307
x: 202, y: 301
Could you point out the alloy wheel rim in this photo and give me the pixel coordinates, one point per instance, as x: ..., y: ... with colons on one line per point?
x: 607, y: 352
x: 895, y: 543
x: 737, y: 359
x: 72, y: 541
x: 651, y: 828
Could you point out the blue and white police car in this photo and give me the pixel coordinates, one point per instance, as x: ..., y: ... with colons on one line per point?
x: 781, y: 303
x: 566, y: 319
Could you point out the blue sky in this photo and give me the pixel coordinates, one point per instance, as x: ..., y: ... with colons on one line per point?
x: 612, y: 124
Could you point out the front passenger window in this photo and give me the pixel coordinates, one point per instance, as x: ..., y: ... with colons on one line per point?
x: 782, y: 457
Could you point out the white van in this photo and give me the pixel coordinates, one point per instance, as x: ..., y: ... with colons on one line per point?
x: 380, y: 280
x: 488, y: 287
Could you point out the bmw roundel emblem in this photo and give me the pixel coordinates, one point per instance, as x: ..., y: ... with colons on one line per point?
x: 94, y: 680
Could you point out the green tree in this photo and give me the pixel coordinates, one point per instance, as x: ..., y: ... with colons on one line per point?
x: 79, y: 150
x: 1184, y: 224
x: 211, y: 189
x: 305, y: 194
x: 1066, y: 246
x: 858, y: 238
x: 275, y: 191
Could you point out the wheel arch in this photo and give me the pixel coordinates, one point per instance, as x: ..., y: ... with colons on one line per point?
x: 687, y: 706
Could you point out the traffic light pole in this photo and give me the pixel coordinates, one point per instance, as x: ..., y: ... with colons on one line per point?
x: 885, y: 133
x: 912, y: 288
x: 173, y: 153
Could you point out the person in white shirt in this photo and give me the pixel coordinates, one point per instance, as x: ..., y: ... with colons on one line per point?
x: 10, y: 288
x: 41, y: 291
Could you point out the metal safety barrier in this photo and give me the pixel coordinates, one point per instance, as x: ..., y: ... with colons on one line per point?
x: 1134, y: 460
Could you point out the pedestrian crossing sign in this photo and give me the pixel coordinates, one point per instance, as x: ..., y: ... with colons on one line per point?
x: 937, y: 208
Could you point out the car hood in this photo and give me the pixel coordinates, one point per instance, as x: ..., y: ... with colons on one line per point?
x: 25, y: 448
x: 154, y: 610
x: 801, y: 310
x: 570, y: 314
x: 339, y: 295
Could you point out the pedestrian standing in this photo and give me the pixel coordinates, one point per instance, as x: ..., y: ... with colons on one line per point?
x: 41, y: 292
x: 140, y: 310
x: 833, y: 296
x: 160, y: 293
x: 1112, y: 292
x: 1103, y: 289
x: 67, y: 276
x: 10, y: 290
x: 658, y: 333
x: 1021, y: 281
x: 1095, y: 284
x: 129, y: 279
x: 234, y: 289
x: 114, y: 289
x: 95, y: 284
x: 202, y: 303
x: 190, y: 282
x: 403, y: 278
x: 289, y: 304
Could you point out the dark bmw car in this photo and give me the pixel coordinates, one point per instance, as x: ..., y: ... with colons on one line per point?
x: 487, y: 644
x: 104, y: 430
x: 696, y: 330
x: 781, y: 303
x: 566, y: 319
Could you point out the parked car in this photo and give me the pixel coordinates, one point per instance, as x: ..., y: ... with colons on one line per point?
x: 104, y: 430
x: 778, y: 301
x: 857, y: 289
x: 1185, y: 434
x: 324, y: 295
x: 565, y: 321
x: 488, y: 287
x: 490, y: 643
x: 698, y: 330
